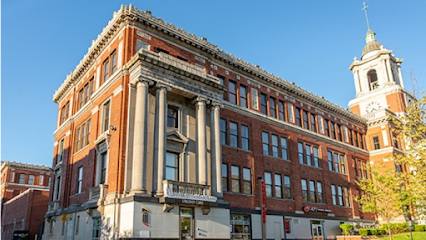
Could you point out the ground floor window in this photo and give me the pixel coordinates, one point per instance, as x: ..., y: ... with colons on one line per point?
x: 96, y: 228
x: 240, y: 226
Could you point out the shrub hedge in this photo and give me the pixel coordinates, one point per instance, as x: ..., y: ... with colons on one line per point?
x: 420, y: 228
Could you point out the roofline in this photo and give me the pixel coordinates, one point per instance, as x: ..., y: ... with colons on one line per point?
x: 132, y: 14
x: 24, y: 166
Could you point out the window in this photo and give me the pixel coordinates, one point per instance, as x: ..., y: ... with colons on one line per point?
x: 105, y: 116
x: 22, y: 178
x: 232, y: 92
x: 272, y: 108
x: 60, y: 151
x: 268, y: 184
x: 87, y: 133
x: 284, y: 153
x: 235, y: 178
x: 104, y: 159
x: 313, y: 123
x: 351, y: 141
x: 356, y: 166
x: 106, y: 70
x: 298, y: 117
x: 356, y: 139
x: 281, y: 111
x: 172, y: 166
x: 77, y: 139
x: 265, y: 143
x: 240, y: 226
x: 80, y: 98
x: 65, y: 112
x: 278, y: 186
x: 263, y: 103
x: 222, y: 81
x: 336, y: 162
x: 40, y: 180
x: 79, y: 180
x: 308, y: 154
x: 82, y: 135
x: 372, y: 79
x: 339, y: 132
x: 245, y: 140
x: 96, y: 228
x: 327, y: 130
x: 224, y: 177
x: 246, y: 181
x: 340, y: 195
x: 319, y: 191
x: 172, y: 117
x: 305, y: 120
x: 376, y: 143
x: 333, y: 130
x: 304, y: 190
x: 346, y: 200
x: 287, y: 187
x: 243, y: 96
x: 145, y: 216
x: 361, y: 141
x: 159, y: 50
x: 312, y: 195
x: 57, y: 187
x: 223, y: 132
x: 233, y: 134
x: 114, y: 62
x: 334, y: 195
x: 274, y: 145
x: 77, y: 225
x: 31, y: 180
x: 12, y: 177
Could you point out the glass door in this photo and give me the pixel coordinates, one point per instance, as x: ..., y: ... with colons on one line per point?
x: 317, y: 233
x: 186, y: 224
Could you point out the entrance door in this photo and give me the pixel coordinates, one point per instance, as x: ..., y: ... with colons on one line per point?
x: 317, y: 233
x: 186, y: 224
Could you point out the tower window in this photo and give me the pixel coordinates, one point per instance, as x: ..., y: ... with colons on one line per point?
x: 376, y: 143
x: 372, y: 79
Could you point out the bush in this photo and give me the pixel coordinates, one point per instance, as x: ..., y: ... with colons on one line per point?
x: 374, y: 232
x: 346, y: 228
x: 420, y: 228
x: 363, y: 232
x: 382, y: 232
x: 397, y: 227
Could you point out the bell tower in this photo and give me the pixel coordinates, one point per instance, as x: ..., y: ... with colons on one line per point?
x: 379, y: 91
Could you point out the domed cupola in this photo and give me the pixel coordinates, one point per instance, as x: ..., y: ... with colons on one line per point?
x: 371, y: 43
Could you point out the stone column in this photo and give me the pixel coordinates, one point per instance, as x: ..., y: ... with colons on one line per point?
x: 160, y: 128
x: 216, y: 150
x: 200, y: 106
x: 400, y: 75
x: 140, y: 144
x: 389, y: 71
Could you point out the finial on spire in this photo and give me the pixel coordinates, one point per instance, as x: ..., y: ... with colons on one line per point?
x: 365, y: 10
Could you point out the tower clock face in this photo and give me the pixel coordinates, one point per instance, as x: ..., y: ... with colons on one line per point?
x: 373, y: 107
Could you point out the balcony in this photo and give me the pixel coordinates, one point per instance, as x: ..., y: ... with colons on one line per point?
x: 98, y: 193
x: 190, y: 191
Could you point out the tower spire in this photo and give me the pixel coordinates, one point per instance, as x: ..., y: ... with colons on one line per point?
x: 366, y: 16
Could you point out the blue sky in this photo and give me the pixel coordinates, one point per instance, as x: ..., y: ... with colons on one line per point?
x: 309, y: 42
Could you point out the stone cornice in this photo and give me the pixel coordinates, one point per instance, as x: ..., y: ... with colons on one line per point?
x: 132, y: 14
x: 26, y: 166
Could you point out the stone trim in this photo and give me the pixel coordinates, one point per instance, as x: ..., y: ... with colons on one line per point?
x: 18, y: 165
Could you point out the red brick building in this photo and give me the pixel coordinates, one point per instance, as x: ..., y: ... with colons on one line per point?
x: 25, y: 212
x: 25, y: 197
x: 162, y: 135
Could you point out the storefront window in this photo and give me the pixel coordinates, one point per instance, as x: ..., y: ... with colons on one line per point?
x: 240, y: 226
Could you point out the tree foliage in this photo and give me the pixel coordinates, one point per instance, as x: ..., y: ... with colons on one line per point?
x: 410, y: 128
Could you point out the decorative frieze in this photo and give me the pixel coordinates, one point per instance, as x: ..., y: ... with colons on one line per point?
x: 142, y: 34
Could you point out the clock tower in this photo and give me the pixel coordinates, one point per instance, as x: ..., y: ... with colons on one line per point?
x: 379, y: 91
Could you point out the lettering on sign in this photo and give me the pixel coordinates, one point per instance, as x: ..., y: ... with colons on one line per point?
x: 314, y: 209
x: 186, y: 201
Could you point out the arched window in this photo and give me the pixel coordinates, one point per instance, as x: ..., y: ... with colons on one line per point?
x: 372, y: 79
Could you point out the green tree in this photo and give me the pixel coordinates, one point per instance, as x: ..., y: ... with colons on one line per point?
x: 410, y: 128
x: 382, y: 194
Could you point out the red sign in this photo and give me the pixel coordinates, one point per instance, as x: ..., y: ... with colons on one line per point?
x: 263, y: 201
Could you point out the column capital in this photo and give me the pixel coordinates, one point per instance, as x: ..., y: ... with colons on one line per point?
x: 161, y: 86
x: 200, y: 99
x: 135, y: 81
x: 217, y: 104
